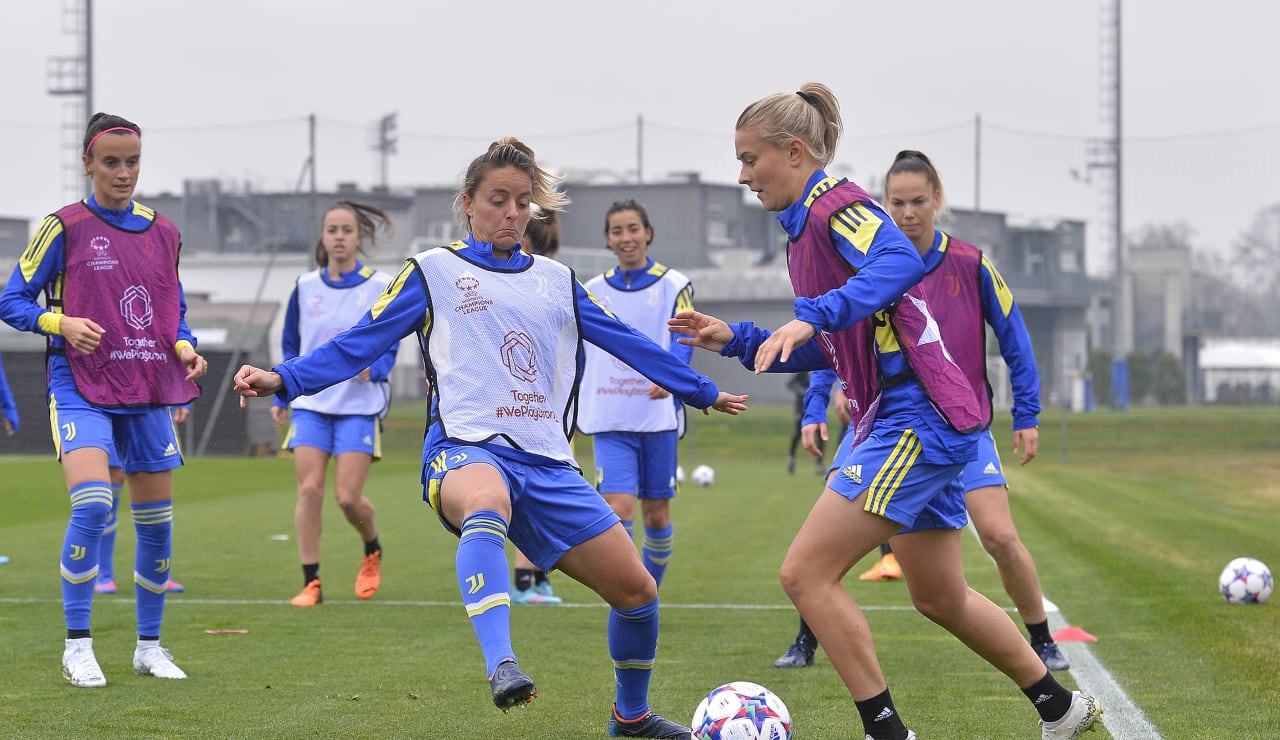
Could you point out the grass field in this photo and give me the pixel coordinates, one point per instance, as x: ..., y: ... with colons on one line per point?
x: 1130, y: 518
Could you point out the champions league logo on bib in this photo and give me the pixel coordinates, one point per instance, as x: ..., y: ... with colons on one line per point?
x: 472, y: 301
x: 100, y: 260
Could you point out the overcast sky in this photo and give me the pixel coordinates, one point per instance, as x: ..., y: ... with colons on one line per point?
x: 224, y: 90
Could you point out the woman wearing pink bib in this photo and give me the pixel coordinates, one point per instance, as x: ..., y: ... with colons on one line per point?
x: 120, y: 354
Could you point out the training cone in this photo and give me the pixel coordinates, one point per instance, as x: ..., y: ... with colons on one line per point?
x: 1072, y: 634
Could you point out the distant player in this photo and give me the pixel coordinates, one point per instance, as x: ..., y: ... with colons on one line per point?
x: 636, y: 426
x: 343, y: 421
x: 9, y: 410
x: 798, y: 384
x: 8, y: 407
x: 913, y: 195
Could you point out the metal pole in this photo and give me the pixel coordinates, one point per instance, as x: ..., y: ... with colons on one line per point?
x: 88, y: 59
x: 311, y: 125
x: 87, y: 82
x: 977, y: 176
x: 382, y: 174
x: 1065, y: 411
x: 1123, y: 340
x: 640, y: 149
x: 1126, y: 325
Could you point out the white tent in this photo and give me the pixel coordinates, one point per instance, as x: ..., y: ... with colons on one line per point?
x: 1240, y: 369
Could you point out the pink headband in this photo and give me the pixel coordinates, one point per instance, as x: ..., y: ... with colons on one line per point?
x: 107, y: 131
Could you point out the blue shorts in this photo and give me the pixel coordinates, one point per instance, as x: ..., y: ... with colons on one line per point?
x: 640, y: 463
x: 335, y: 433
x: 553, y: 508
x: 137, y: 439
x: 986, y: 470
x: 898, y: 484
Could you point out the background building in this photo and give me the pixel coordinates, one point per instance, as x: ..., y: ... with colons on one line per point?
x: 14, y: 234
x: 242, y: 252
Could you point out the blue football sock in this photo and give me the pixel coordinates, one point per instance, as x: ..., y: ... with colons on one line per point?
x: 633, y: 644
x: 485, y: 584
x: 90, y: 507
x: 657, y: 550
x: 154, y: 524
x: 107, y: 547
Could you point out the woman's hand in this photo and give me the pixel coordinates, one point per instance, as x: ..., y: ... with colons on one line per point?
x: 253, y: 382
x: 700, y: 330
x: 196, y: 365
x: 81, y: 333
x: 809, y: 434
x: 782, y: 343
x: 657, y: 392
x: 1027, y: 441
x: 727, y: 403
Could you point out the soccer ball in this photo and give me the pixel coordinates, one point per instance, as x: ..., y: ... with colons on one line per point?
x: 1245, y: 581
x: 703, y: 475
x: 741, y: 711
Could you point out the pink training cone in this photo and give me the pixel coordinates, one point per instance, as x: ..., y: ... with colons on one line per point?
x: 1072, y: 634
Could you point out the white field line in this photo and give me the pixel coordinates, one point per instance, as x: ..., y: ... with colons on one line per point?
x: 1124, y: 719
x: 177, y: 600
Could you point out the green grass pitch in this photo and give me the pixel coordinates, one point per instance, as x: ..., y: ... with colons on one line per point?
x: 1130, y: 517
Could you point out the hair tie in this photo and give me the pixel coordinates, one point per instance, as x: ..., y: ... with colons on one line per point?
x: 806, y: 97
x: 107, y: 131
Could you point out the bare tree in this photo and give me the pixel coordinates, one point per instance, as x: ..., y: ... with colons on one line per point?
x: 1228, y: 295
x: 1257, y: 252
x: 1157, y: 236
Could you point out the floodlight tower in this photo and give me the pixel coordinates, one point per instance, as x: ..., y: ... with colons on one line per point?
x: 72, y: 76
x: 1107, y: 154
